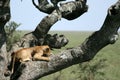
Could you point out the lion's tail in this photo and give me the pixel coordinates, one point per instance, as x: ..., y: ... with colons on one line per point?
x: 13, y: 61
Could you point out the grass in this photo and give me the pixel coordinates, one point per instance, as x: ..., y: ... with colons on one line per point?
x: 104, y: 66
x: 110, y: 70
x: 75, y: 38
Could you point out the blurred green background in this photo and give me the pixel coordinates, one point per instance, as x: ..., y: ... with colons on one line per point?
x: 104, y: 66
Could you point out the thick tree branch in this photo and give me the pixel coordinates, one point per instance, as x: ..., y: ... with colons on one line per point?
x: 39, y: 34
x: 70, y: 10
x: 4, y: 17
x: 44, y: 6
x: 84, y: 52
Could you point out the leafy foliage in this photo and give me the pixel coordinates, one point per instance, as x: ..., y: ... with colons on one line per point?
x: 104, y: 66
x: 11, y: 33
x: 92, y: 70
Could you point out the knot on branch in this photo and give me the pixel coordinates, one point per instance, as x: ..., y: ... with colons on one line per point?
x: 113, y: 38
x: 56, y: 41
x: 76, y: 53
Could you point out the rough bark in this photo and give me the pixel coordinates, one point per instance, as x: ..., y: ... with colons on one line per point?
x: 70, y: 10
x: 38, y: 36
x: 86, y: 51
x: 4, y: 17
x: 33, y: 70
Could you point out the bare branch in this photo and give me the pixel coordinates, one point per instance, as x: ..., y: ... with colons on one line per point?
x: 70, y: 10
x: 85, y: 52
x: 39, y: 34
x: 44, y: 6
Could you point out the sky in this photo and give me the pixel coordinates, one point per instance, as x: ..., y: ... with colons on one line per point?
x: 25, y: 13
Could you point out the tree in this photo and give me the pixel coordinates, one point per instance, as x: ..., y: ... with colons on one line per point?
x: 32, y: 70
x: 11, y: 33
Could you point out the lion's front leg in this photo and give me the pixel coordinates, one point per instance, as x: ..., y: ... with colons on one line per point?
x: 38, y: 56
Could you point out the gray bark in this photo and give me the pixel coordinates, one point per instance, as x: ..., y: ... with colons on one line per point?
x: 84, y: 52
x: 39, y: 34
x: 33, y: 70
x: 4, y: 17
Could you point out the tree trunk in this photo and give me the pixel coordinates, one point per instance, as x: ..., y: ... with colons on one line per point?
x: 86, y: 51
x: 4, y: 17
x: 33, y: 70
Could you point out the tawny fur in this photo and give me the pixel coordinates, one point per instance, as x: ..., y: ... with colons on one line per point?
x: 33, y: 53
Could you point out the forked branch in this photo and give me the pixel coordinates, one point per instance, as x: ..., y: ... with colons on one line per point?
x: 84, y: 52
